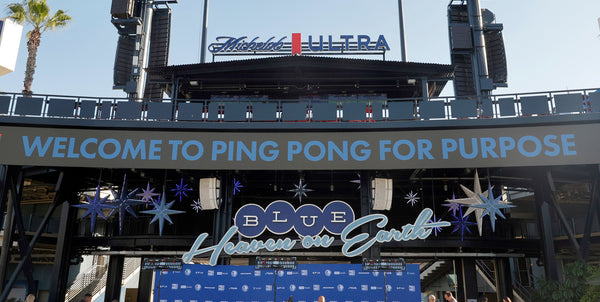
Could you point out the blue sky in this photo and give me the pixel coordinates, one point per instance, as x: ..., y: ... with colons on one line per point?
x: 551, y: 44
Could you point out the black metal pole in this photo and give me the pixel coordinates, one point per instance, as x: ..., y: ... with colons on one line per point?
x: 204, y: 29
x: 402, y: 33
x: 275, y: 287
x: 384, y: 287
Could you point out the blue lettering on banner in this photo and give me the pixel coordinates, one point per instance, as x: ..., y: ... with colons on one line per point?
x: 400, y: 149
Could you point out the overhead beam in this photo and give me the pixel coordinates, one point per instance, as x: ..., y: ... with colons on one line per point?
x: 561, y: 215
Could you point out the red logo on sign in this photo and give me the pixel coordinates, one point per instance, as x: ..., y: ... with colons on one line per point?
x: 296, y: 44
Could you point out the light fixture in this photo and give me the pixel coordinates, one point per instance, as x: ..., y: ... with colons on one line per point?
x: 194, y: 83
x: 411, y: 81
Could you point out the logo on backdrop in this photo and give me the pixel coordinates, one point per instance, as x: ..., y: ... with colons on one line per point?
x: 312, y: 44
x: 308, y: 221
x: 280, y: 217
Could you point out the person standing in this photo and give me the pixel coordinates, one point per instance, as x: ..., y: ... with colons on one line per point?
x: 87, y: 298
x: 448, y: 296
x: 321, y: 299
x: 432, y: 298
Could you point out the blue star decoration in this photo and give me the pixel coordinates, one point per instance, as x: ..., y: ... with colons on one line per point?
x: 123, y: 202
x: 462, y: 223
x: 300, y: 190
x: 161, y: 213
x: 492, y: 207
x: 438, y: 229
x: 147, y: 194
x: 181, y: 189
x: 236, y: 186
x: 94, y: 208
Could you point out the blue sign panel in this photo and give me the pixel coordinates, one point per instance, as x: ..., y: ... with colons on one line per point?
x: 336, y: 282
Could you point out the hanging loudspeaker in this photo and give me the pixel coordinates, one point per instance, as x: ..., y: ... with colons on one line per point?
x: 210, y: 196
x: 382, y: 194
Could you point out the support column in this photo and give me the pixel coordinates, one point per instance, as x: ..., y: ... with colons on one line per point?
x: 594, y: 204
x: 504, y: 286
x: 223, y: 216
x: 544, y: 219
x: 6, y: 242
x: 425, y: 88
x: 16, y: 189
x: 145, y: 284
x: 467, y: 289
x: 114, y: 278
x: 365, y: 209
x: 60, y: 268
x: 3, y: 178
x: 460, y: 282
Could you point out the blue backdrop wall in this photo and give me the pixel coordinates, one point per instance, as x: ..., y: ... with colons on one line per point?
x: 337, y: 282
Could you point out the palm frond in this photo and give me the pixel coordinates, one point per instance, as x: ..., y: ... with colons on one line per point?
x: 60, y: 19
x: 38, y: 12
x: 17, y: 12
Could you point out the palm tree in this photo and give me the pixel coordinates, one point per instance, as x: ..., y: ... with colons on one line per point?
x: 37, y: 14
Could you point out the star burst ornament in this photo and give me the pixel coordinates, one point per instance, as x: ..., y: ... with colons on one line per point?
x: 412, y: 198
x: 473, y: 198
x: 436, y: 229
x: 147, y: 194
x: 181, y: 189
x: 94, y: 208
x: 236, y: 186
x: 123, y: 202
x: 356, y: 181
x: 452, y: 206
x: 196, y: 206
x: 300, y: 190
x: 161, y: 212
x: 462, y: 223
x: 491, y: 206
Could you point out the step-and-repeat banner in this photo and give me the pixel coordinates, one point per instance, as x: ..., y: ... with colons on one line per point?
x: 336, y: 282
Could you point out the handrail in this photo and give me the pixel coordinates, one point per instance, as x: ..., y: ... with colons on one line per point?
x: 335, y: 109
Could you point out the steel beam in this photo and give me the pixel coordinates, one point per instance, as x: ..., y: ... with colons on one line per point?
x: 6, y: 239
x: 365, y: 209
x: 589, y: 220
x: 60, y: 268
x: 145, y: 285
x: 544, y: 218
x: 460, y: 282
x: 114, y: 278
x: 504, y: 282
x: 32, y: 243
x: 469, y: 275
x: 561, y: 216
x: 16, y: 188
x: 3, y: 201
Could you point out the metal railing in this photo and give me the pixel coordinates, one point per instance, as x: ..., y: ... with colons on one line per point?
x: 88, y: 282
x: 340, y: 110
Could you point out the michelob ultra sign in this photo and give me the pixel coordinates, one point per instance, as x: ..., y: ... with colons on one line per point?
x: 299, y: 44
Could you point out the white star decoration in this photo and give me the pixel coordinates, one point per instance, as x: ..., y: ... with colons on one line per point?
x: 161, y: 212
x: 412, y: 198
x: 196, y: 206
x: 491, y: 206
x: 300, y: 190
x: 474, y: 202
x: 473, y: 199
